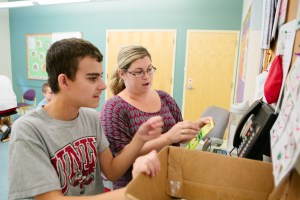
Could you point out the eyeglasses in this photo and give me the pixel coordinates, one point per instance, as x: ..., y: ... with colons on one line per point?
x: 140, y: 74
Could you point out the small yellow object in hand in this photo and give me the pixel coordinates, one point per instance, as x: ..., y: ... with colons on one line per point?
x: 203, y: 131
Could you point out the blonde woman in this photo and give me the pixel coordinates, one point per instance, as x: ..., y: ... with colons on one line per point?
x: 135, y: 102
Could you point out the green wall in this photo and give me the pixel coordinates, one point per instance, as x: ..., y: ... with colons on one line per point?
x: 93, y: 19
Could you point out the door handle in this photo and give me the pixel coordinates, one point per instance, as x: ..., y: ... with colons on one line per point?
x: 189, y: 87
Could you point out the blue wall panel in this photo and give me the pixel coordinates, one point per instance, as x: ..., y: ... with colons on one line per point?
x: 93, y: 19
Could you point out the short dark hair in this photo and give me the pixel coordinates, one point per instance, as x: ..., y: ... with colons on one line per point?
x: 63, y: 57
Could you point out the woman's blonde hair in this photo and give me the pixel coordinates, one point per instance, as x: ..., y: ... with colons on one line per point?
x: 126, y: 56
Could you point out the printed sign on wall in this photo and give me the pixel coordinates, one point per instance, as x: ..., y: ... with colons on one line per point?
x: 37, y: 46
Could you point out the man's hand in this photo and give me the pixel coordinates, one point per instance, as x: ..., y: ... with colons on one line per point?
x: 151, y: 129
x: 148, y: 164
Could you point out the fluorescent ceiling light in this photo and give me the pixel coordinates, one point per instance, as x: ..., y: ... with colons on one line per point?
x: 47, y: 2
x: 14, y: 4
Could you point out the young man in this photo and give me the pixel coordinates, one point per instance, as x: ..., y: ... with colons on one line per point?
x: 59, y: 151
x: 47, y: 92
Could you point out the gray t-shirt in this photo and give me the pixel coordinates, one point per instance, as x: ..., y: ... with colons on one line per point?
x: 46, y: 154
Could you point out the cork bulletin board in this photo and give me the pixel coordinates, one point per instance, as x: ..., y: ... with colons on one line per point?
x: 284, y: 134
x: 290, y: 15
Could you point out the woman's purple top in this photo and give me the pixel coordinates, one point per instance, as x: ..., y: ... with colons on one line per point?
x: 121, y: 120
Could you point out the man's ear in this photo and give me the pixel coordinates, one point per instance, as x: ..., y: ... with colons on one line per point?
x: 63, y: 81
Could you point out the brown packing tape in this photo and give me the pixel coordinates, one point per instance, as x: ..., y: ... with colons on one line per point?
x: 175, y: 176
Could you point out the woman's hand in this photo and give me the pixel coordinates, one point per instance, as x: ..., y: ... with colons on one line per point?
x: 148, y: 164
x: 151, y: 129
x: 182, y: 131
x: 203, y: 121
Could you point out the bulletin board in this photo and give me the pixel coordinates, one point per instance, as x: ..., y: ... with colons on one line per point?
x: 36, y: 50
x: 37, y: 46
x: 285, y: 132
x: 290, y: 15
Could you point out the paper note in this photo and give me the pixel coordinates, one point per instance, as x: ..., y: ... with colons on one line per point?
x: 285, y: 133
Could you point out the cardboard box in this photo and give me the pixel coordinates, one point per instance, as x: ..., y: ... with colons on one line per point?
x: 190, y: 174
